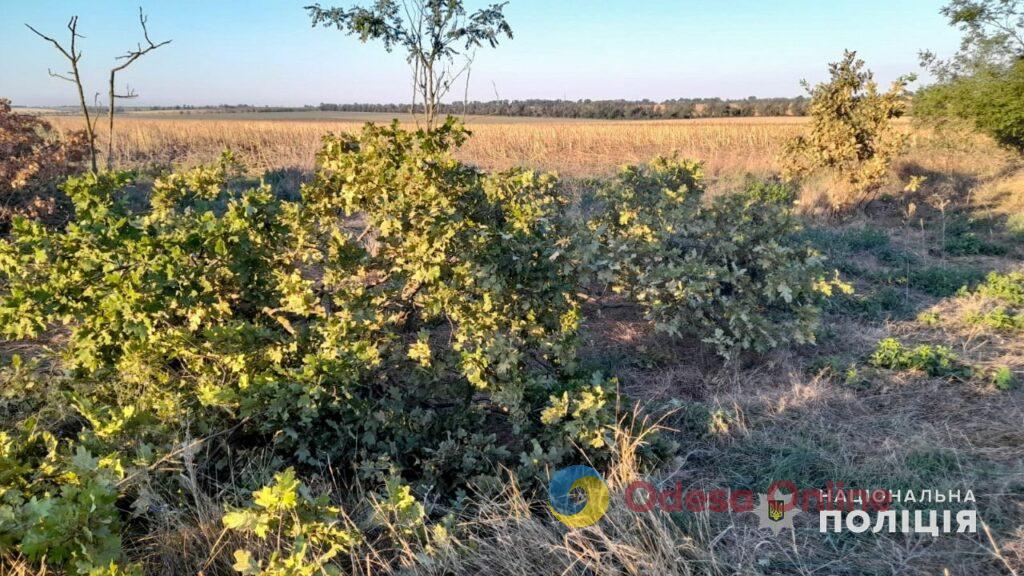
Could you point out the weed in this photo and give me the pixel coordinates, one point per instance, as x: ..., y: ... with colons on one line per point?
x: 970, y: 244
x: 1006, y: 287
x: 929, y: 318
x: 943, y: 281
x: 844, y: 372
x: 1015, y: 226
x: 1003, y: 378
x: 937, y: 361
x: 999, y: 319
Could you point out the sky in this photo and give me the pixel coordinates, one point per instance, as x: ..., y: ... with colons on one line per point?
x: 264, y: 52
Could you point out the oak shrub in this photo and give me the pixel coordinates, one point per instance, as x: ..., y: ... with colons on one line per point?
x: 852, y: 136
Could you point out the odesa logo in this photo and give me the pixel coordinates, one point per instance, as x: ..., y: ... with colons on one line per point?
x: 579, y: 497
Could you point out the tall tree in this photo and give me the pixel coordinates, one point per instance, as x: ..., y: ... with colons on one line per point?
x: 432, y: 32
x: 983, y: 83
x: 993, y: 37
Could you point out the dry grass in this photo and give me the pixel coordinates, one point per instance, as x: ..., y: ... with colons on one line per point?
x: 731, y: 148
x: 572, y: 148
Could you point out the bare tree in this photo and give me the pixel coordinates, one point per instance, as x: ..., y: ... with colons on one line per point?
x: 430, y: 31
x: 129, y: 57
x: 73, y: 55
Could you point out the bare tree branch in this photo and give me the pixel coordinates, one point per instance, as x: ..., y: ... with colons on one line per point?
x: 61, y: 76
x: 73, y: 56
x: 129, y: 57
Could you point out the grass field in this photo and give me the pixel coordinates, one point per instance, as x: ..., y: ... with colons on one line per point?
x: 730, y: 148
x: 573, y: 148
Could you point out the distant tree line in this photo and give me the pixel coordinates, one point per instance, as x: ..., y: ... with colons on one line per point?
x: 596, y: 109
x: 607, y: 109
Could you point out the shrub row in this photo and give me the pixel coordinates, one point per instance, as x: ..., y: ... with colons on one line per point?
x: 411, y: 322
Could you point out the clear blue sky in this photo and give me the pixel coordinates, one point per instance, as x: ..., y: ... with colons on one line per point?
x: 264, y: 52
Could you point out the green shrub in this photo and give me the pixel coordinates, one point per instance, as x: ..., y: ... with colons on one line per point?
x: 1008, y: 291
x: 303, y: 534
x: 59, y: 505
x: 852, y: 133
x: 734, y: 273
x: 936, y: 361
x: 969, y: 243
x: 227, y: 307
x: 1008, y: 288
x: 999, y: 318
x: 989, y: 98
x: 943, y: 281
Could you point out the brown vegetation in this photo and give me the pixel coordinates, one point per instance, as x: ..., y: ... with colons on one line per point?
x: 32, y: 162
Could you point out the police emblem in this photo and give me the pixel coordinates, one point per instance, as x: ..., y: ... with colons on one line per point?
x: 772, y: 513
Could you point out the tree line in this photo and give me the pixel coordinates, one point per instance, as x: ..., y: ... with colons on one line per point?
x: 605, y: 109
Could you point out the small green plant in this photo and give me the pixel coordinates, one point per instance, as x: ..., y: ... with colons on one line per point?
x: 1003, y: 378
x: 1015, y: 226
x: 1000, y: 318
x: 298, y: 534
x: 844, y: 372
x: 937, y: 361
x: 1008, y: 288
x: 388, y: 349
x: 1005, y: 306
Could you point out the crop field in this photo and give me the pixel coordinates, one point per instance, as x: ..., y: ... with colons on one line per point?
x: 730, y: 148
x: 573, y: 148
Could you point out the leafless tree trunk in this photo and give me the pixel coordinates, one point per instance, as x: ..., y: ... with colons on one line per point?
x: 465, y: 93
x: 73, y: 55
x: 129, y: 57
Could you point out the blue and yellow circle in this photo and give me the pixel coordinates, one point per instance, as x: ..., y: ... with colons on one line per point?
x: 577, y: 512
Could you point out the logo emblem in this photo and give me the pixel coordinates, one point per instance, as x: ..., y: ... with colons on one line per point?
x: 772, y: 513
x: 578, y: 496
